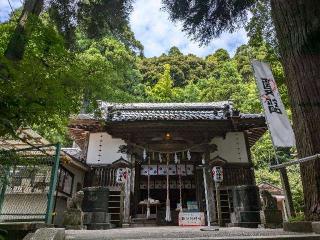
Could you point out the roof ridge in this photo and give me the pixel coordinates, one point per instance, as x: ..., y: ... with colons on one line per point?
x: 174, y: 105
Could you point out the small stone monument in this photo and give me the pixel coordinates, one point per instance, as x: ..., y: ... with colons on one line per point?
x: 246, y: 206
x: 95, y: 206
x: 271, y: 217
x: 73, y: 216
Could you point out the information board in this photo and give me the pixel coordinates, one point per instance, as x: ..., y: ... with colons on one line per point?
x: 191, y: 219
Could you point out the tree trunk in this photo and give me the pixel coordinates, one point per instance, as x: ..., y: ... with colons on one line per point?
x: 19, y: 38
x: 297, y: 25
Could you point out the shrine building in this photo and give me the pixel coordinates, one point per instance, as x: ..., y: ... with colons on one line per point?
x: 149, y: 153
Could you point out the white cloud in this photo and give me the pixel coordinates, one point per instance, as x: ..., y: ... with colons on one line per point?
x: 5, y: 8
x: 157, y: 33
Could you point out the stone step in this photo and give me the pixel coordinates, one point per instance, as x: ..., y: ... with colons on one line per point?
x: 143, y: 224
x: 143, y: 220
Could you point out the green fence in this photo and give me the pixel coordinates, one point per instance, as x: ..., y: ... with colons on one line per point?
x: 28, y: 180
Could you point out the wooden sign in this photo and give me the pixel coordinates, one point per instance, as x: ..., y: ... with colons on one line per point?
x: 191, y: 219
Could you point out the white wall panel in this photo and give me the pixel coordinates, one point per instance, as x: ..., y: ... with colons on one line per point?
x: 108, y: 150
x: 231, y: 148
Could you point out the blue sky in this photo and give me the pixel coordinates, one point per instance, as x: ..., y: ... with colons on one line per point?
x: 153, y: 28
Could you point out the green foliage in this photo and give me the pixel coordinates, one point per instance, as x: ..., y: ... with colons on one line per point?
x: 260, y: 27
x: 163, y: 90
x: 207, y: 19
x: 184, y: 68
x: 51, y: 82
x: 298, y: 218
x: 108, y: 72
x: 95, y: 19
x: 41, y: 85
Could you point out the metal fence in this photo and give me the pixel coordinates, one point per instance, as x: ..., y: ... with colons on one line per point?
x: 28, y: 179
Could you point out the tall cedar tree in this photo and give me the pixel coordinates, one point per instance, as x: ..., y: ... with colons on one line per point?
x: 297, y: 25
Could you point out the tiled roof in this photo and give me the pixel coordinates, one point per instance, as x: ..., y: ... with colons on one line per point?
x: 166, y: 111
x: 125, y: 112
x: 165, y: 106
x: 141, y: 115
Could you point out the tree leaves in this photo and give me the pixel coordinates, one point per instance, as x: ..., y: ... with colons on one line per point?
x: 207, y: 19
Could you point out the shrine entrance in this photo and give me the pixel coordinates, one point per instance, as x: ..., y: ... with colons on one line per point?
x: 174, y: 181
x: 167, y: 170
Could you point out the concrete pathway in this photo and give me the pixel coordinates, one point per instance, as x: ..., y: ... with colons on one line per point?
x: 185, y: 233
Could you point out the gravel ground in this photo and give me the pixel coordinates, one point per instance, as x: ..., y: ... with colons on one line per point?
x: 184, y: 233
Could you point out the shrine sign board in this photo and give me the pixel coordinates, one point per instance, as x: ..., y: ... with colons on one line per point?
x: 191, y: 219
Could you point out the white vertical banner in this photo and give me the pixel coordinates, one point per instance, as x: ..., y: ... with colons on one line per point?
x: 275, y: 113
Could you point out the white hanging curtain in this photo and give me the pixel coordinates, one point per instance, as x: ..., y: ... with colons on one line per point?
x: 168, y: 212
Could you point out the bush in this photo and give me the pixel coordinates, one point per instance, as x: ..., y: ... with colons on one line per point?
x: 298, y: 218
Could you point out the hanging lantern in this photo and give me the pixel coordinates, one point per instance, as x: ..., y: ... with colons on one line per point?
x: 160, y: 158
x: 203, y: 160
x: 176, y: 160
x: 189, y: 155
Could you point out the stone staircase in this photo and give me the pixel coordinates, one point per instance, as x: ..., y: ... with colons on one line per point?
x: 141, y: 221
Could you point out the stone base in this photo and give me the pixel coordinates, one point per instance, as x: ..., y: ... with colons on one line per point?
x: 97, y: 220
x: 99, y: 226
x: 72, y: 217
x: 75, y: 227
x: 271, y: 218
x: 250, y: 219
x: 316, y: 227
x: 96, y: 217
x: 303, y: 226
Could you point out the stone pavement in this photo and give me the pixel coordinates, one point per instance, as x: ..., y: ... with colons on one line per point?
x: 186, y: 233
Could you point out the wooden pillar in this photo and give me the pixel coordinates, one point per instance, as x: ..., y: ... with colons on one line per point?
x: 199, y: 187
x: 210, y: 190
x: 287, y: 192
